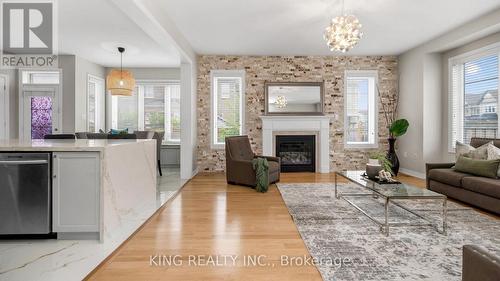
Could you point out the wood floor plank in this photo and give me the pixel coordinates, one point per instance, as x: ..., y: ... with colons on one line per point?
x: 210, y: 217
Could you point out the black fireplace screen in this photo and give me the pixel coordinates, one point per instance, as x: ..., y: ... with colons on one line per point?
x: 297, y: 153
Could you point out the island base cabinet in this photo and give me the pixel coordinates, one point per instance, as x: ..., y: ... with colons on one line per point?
x: 76, y: 193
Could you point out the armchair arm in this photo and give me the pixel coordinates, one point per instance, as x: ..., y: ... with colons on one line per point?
x: 270, y: 158
x: 479, y: 264
x: 241, y: 172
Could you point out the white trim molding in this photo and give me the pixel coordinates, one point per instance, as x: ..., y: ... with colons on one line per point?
x: 215, y: 74
x: 5, y: 108
x: 283, y: 125
x: 412, y: 173
x: 372, y: 109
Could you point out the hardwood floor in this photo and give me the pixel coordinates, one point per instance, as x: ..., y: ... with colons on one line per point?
x: 210, y: 218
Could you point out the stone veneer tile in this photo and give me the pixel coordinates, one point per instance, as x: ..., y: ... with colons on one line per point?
x: 260, y: 69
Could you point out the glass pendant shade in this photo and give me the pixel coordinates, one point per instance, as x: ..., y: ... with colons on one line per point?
x: 120, y: 82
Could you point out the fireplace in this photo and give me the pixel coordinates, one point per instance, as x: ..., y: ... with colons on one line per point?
x: 297, y: 152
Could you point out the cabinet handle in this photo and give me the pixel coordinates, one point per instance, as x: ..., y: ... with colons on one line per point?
x: 54, y: 176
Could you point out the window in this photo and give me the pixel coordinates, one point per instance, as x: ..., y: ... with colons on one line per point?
x: 95, y: 102
x: 40, y: 77
x: 153, y: 106
x: 473, y: 97
x: 227, y: 105
x: 360, y: 113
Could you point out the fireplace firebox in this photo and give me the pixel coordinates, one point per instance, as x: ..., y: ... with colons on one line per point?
x: 297, y: 152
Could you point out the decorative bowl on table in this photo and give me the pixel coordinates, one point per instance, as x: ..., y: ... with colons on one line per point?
x: 373, y: 167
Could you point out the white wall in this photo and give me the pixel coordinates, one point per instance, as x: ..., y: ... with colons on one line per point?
x: 13, y: 101
x: 154, y: 73
x: 423, y: 101
x: 67, y: 64
x: 410, y: 146
x: 431, y: 115
x: 82, y: 69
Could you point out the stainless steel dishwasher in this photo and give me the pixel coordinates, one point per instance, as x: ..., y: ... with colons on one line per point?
x: 25, y: 193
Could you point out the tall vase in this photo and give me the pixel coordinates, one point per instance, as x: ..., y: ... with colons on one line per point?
x: 392, y: 156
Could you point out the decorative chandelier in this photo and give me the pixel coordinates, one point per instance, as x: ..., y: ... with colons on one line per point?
x: 343, y: 33
x: 280, y: 102
x: 120, y: 82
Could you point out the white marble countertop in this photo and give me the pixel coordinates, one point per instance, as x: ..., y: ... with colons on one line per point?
x: 64, y: 145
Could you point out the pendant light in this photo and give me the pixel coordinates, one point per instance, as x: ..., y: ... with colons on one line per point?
x: 343, y: 33
x: 120, y: 82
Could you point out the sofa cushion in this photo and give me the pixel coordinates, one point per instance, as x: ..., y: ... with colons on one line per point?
x: 463, y: 149
x: 482, y: 168
x: 486, y: 186
x: 448, y: 176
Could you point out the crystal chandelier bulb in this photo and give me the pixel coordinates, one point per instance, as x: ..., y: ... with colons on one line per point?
x: 343, y: 33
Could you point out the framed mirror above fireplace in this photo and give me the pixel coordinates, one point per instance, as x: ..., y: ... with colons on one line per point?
x: 294, y: 98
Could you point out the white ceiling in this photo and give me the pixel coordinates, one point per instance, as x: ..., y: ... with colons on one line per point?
x: 92, y: 29
x: 295, y: 27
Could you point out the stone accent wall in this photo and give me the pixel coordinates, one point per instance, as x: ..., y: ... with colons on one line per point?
x: 260, y: 69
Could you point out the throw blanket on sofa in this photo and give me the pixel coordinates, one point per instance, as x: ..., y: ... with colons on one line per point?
x: 261, y: 168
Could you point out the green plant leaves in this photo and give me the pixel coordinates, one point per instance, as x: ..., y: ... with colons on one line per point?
x: 382, y: 159
x: 399, y: 127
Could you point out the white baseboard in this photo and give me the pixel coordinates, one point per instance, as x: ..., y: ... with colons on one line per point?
x: 412, y: 173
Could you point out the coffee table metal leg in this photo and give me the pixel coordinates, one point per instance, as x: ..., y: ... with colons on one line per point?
x: 386, y: 217
x: 336, y: 194
x: 445, y: 214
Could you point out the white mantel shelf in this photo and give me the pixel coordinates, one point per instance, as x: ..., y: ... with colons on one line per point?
x: 318, y: 125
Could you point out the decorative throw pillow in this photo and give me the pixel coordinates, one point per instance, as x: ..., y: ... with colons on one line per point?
x: 118, y: 132
x: 474, y: 153
x: 494, y: 154
x: 482, y: 168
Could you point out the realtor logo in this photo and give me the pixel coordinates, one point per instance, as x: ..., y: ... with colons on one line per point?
x: 28, y: 38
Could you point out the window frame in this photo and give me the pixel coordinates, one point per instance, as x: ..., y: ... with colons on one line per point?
x: 372, y: 114
x: 461, y: 59
x: 215, y: 74
x: 22, y: 87
x: 99, y: 100
x: 140, y: 106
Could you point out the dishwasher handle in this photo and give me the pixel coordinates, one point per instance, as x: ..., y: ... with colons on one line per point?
x: 23, y: 162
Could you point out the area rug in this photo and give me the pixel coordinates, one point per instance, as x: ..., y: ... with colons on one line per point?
x: 333, y: 230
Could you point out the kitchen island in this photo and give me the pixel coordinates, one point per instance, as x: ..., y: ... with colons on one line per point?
x: 95, y: 184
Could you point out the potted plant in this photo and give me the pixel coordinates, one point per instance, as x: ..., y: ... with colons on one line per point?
x: 377, y: 161
x: 396, y: 127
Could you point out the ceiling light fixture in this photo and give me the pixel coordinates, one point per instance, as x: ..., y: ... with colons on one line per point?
x: 343, y: 33
x: 120, y: 82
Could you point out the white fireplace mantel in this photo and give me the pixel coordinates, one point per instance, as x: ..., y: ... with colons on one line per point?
x: 283, y: 125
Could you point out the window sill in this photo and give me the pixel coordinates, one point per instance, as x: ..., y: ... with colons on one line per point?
x: 360, y: 146
x: 170, y: 145
x: 219, y: 146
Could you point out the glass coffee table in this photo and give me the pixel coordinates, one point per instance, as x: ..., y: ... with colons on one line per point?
x: 389, y: 193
